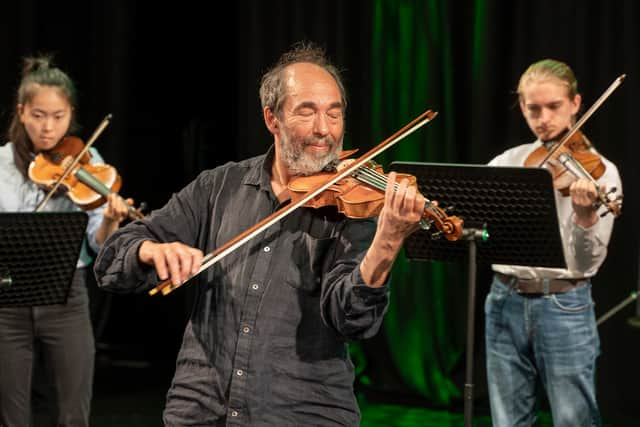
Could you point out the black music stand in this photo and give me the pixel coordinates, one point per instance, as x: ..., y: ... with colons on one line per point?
x: 516, y: 205
x: 38, y: 256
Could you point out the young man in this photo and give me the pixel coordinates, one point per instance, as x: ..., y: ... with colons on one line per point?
x: 540, y: 323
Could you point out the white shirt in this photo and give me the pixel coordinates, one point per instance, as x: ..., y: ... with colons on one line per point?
x: 585, y: 249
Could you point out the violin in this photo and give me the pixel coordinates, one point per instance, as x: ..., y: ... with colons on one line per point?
x: 562, y: 161
x: 87, y: 185
x: 165, y: 287
x: 361, y: 195
x: 572, y: 158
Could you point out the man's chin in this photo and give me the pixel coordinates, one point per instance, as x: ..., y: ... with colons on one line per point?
x: 545, y: 137
x: 310, y: 167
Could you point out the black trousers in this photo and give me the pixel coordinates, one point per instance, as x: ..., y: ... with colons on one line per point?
x: 65, y: 337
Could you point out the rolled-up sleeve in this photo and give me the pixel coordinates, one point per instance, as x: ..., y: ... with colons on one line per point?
x: 117, y: 267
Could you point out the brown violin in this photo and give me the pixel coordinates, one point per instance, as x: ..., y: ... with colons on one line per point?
x: 67, y: 166
x: 361, y: 195
x: 561, y: 164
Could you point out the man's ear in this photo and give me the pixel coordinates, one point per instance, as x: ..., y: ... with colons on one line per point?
x: 521, y: 104
x: 575, y: 104
x: 270, y: 120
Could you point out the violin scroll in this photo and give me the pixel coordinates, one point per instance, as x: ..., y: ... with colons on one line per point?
x: 610, y: 200
x: 449, y: 226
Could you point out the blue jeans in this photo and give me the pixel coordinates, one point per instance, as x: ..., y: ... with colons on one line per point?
x: 550, y: 340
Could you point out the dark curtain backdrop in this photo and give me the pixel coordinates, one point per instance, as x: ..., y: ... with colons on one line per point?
x: 181, y: 81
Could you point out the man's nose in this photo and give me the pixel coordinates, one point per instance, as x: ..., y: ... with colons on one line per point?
x: 545, y: 115
x: 320, y: 126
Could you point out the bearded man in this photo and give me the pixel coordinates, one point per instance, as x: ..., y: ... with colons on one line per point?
x: 266, y: 343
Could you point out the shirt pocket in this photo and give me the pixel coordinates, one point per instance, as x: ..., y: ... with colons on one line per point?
x: 307, y: 258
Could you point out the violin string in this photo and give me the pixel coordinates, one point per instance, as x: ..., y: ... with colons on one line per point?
x: 378, y: 180
x: 371, y: 177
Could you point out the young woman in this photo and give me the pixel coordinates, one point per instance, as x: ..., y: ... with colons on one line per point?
x: 43, y: 116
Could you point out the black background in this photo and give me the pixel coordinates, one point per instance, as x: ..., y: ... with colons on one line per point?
x: 181, y: 81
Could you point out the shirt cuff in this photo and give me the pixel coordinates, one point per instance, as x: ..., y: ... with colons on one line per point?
x: 581, y: 234
x: 368, y: 294
x: 142, y: 272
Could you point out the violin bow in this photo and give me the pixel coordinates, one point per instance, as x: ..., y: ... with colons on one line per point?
x: 165, y: 287
x: 75, y: 161
x: 613, y: 86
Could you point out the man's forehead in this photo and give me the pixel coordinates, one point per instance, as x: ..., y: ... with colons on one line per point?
x: 307, y: 74
x: 307, y: 82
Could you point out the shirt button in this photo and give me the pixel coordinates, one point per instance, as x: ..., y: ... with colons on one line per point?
x: 267, y: 248
x: 255, y: 286
x: 234, y: 413
x: 246, y: 329
x: 239, y: 372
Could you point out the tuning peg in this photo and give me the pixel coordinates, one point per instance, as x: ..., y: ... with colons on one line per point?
x: 425, y: 224
x: 436, y: 235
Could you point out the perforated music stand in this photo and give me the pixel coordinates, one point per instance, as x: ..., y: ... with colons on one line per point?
x: 38, y: 256
x: 516, y: 205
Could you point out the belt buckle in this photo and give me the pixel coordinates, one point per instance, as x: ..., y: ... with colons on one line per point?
x: 545, y: 287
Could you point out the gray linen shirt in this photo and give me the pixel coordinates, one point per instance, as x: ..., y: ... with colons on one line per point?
x: 266, y: 343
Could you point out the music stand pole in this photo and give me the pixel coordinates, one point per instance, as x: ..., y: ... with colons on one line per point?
x: 471, y: 234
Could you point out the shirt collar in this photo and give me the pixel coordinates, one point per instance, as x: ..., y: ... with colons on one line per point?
x: 259, y: 174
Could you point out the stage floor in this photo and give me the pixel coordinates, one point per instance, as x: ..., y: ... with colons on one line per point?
x: 129, y: 393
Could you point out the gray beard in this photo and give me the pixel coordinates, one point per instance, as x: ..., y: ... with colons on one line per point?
x: 300, y: 163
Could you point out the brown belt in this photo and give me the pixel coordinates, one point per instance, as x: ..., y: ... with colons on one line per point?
x: 540, y: 286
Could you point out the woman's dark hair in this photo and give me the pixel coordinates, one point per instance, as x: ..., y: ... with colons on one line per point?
x: 36, y: 72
